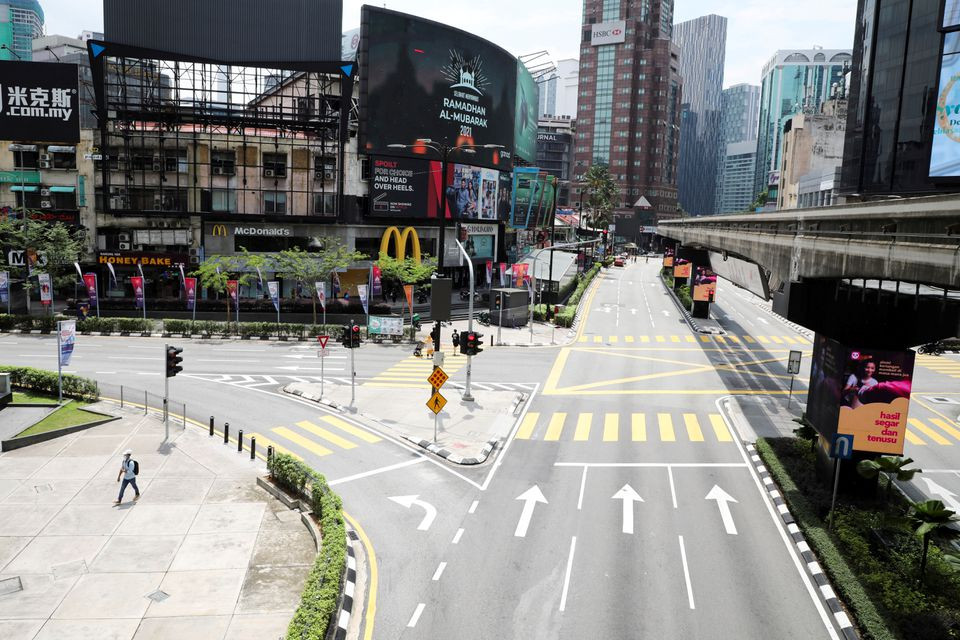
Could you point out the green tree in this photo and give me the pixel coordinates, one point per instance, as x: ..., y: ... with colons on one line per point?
x: 215, y: 271
x: 760, y: 201
x: 893, y: 467
x: 929, y: 520
x: 59, y: 245
x: 407, y: 271
x: 300, y: 266
x: 603, y: 194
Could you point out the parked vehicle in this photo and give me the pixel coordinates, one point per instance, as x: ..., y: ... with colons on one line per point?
x: 933, y: 348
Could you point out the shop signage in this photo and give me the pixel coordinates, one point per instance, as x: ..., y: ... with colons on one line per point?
x: 478, y: 229
x: 613, y: 32
x: 38, y: 102
x: 399, y: 239
x: 146, y: 259
x: 285, y: 232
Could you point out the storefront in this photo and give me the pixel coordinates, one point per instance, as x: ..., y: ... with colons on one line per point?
x: 161, y: 273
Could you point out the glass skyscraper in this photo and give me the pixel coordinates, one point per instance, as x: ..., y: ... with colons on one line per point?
x: 703, y: 43
x: 794, y: 81
x: 20, y: 22
x: 741, y: 109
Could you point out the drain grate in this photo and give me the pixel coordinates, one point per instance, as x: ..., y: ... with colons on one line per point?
x: 10, y: 585
x: 158, y: 595
x: 43, y: 488
x: 941, y: 400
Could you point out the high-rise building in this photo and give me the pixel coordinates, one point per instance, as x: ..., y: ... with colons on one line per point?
x: 554, y: 152
x: 558, y: 93
x: 812, y: 151
x: 628, y: 111
x: 703, y: 45
x: 20, y: 22
x: 738, y: 127
x: 794, y: 81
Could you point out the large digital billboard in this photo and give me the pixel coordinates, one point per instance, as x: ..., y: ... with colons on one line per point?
x: 402, y: 186
x: 682, y: 268
x: 533, y: 197
x: 527, y: 114
x: 39, y: 102
x: 945, y: 148
x: 861, y: 392
x: 424, y: 80
x: 473, y: 192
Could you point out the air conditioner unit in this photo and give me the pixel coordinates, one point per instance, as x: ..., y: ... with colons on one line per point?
x: 157, y: 166
x: 121, y: 157
x: 157, y: 202
x: 193, y: 251
x: 123, y: 237
x: 46, y: 204
x: 119, y: 202
x: 44, y: 192
x: 328, y: 175
x: 118, y: 191
x: 194, y: 260
x: 44, y: 156
x: 269, y: 173
x: 44, y: 164
x: 156, y: 157
x: 124, y: 246
x: 219, y: 171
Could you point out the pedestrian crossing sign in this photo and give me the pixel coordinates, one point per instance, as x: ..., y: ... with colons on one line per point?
x: 438, y: 378
x: 437, y: 402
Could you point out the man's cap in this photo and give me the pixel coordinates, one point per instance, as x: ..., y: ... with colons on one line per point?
x: 128, y: 452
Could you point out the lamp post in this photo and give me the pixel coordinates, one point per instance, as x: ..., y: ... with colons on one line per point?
x: 534, y: 276
x: 467, y: 396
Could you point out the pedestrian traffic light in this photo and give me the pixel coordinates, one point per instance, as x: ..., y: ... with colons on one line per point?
x: 355, y: 337
x: 345, y: 336
x: 435, y: 334
x: 470, y: 343
x: 173, y: 361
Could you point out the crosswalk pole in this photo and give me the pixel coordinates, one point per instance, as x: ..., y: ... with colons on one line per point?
x: 353, y: 380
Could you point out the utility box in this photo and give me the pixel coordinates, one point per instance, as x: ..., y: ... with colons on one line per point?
x: 512, y: 306
x: 441, y: 290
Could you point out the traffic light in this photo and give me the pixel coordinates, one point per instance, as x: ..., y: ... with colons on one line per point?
x: 345, y: 336
x: 470, y: 343
x: 173, y: 361
x: 435, y: 334
x: 354, y: 337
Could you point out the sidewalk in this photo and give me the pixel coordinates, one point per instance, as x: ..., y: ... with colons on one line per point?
x: 205, y: 553
x: 544, y: 334
x: 466, y: 431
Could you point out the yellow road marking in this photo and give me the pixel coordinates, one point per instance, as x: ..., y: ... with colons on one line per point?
x: 644, y: 338
x: 306, y: 443
x: 912, y: 438
x: 555, y: 428
x: 614, y: 338
x: 598, y: 339
x: 776, y: 339
x: 927, y: 431
x: 639, y: 427
x: 583, y: 427
x: 749, y: 339
x: 720, y: 428
x: 693, y: 427
x: 629, y: 338
x: 349, y: 428
x: 802, y: 340
x: 763, y: 339
x: 666, y: 427
x: 691, y: 338
x: 946, y: 427
x: 372, y: 570
x: 704, y: 338
x: 263, y: 441
x: 789, y: 340
x: 661, y: 339
x: 583, y: 338
x: 611, y: 427
x: 550, y: 386
x: 674, y: 338
x: 527, y: 426
x: 329, y: 436
x: 733, y: 338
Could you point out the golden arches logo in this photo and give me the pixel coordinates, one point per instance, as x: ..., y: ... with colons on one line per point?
x: 219, y: 230
x: 394, y: 233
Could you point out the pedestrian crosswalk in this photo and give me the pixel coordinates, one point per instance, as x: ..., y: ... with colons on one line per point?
x: 322, y: 437
x: 412, y: 372
x: 941, y: 364
x: 630, y: 427
x: 933, y: 431
x: 727, y: 339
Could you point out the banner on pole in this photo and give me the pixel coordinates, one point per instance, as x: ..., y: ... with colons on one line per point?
x: 76, y: 265
x: 408, y: 293
x: 183, y: 278
x: 137, y: 283
x: 90, y: 281
x: 489, y: 272
x: 113, y: 274
x: 232, y: 291
x: 68, y: 339
x: 520, y: 274
x: 190, y: 286
x: 504, y: 272
x: 4, y: 286
x: 46, y: 290
x: 376, y: 286
x: 362, y: 292
x: 274, y: 287
x: 336, y: 283
x: 321, y: 293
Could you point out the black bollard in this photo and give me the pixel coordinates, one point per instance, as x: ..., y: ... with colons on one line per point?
x: 240, y: 440
x: 211, y: 426
x: 253, y: 447
x: 269, y: 452
x: 226, y: 432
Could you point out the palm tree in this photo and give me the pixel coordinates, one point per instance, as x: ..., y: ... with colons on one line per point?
x: 603, y: 191
x: 930, y: 519
x: 892, y: 466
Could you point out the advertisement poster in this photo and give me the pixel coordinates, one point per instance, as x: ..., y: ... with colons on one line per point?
x: 90, y: 280
x: 504, y: 274
x: 472, y: 192
x: 46, y: 290
x: 232, y: 292
x: 274, y: 288
x: 321, y: 288
x: 39, y: 102
x: 505, y: 196
x: 489, y: 272
x: 376, y: 287
x: 945, y: 148
x: 520, y: 274
x: 527, y: 115
x: 4, y: 287
x: 399, y: 187
x: 421, y: 79
x: 190, y: 286
x: 682, y: 268
x: 137, y: 283
x: 68, y: 339
x: 533, y: 197
x: 362, y: 292
x: 667, y: 258
x: 704, y: 285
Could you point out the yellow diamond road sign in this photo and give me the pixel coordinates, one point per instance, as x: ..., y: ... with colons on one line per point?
x: 438, y: 378
x: 437, y: 402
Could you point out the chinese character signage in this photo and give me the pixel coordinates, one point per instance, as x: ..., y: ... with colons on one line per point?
x: 39, y: 102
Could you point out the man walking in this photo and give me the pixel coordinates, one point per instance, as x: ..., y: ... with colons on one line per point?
x: 128, y: 469
x: 456, y: 342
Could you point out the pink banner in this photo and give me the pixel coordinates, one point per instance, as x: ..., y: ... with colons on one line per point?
x: 137, y: 283
x: 190, y: 286
x: 232, y: 292
x: 520, y: 274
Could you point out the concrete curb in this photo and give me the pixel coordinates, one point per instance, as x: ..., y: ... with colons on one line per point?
x: 136, y: 334
x: 347, y: 593
x: 813, y: 566
x: 26, y: 441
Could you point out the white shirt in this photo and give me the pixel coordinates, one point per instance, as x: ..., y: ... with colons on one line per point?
x: 127, y: 466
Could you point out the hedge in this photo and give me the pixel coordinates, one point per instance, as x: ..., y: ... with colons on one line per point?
x: 29, y: 323
x: 318, y: 602
x: 569, y: 312
x: 44, y: 381
x: 217, y: 328
x: 114, y: 325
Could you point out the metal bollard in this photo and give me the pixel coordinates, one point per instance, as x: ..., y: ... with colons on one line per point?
x: 253, y: 447
x: 269, y: 452
x: 146, y: 403
x: 184, y: 416
x: 226, y: 432
x: 121, y: 396
x: 240, y: 441
x: 211, y: 426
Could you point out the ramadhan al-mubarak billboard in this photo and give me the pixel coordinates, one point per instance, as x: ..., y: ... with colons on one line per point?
x: 424, y: 80
x: 39, y: 102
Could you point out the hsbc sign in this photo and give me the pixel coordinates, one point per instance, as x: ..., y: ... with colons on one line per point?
x: 613, y: 32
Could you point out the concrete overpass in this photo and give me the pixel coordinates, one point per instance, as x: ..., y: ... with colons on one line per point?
x: 896, y: 262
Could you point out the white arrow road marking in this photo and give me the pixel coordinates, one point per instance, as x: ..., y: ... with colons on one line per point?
x: 666, y: 313
x: 409, y: 501
x: 301, y: 356
x: 947, y: 496
x: 530, y: 498
x: 763, y: 320
x: 629, y: 496
x: 723, y: 503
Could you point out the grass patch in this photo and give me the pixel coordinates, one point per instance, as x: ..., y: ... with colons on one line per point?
x: 28, y: 397
x: 69, y: 415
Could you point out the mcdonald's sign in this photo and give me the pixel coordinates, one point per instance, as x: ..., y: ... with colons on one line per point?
x: 400, y: 238
x: 219, y: 230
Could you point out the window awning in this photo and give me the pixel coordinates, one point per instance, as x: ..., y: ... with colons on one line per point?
x: 60, y: 149
x: 30, y: 188
x: 62, y: 189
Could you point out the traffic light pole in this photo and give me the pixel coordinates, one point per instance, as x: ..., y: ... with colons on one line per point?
x: 466, y: 392
x: 166, y: 396
x: 353, y: 379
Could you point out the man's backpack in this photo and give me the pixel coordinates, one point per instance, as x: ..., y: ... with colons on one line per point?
x: 136, y: 468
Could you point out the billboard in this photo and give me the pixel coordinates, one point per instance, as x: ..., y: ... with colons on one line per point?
x: 527, y: 115
x: 472, y: 194
x: 951, y: 14
x: 424, y: 80
x: 861, y: 392
x: 505, y: 196
x: 39, y: 102
x: 682, y: 268
x: 667, y: 258
x: 401, y: 187
x: 945, y: 148
x: 704, y: 285
x: 613, y: 32
x: 533, y: 197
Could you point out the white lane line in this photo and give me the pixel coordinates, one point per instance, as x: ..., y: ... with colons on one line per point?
x: 416, y: 615
x: 566, y: 579
x: 473, y: 507
x: 131, y: 358
x: 686, y: 573
x: 583, y: 484
x: 654, y: 465
x: 228, y: 360
x: 457, y: 536
x: 673, y: 488
x: 374, y: 472
x: 105, y: 373
x: 147, y: 373
x: 439, y: 571
x: 763, y: 320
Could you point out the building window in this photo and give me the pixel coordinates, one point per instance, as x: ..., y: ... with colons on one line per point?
x: 223, y: 163
x: 274, y: 165
x: 224, y: 200
x: 274, y: 202
x: 325, y: 167
x: 324, y: 204
x: 26, y: 159
x: 175, y: 161
x: 59, y: 160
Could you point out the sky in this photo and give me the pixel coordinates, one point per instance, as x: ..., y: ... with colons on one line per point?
x: 755, y: 28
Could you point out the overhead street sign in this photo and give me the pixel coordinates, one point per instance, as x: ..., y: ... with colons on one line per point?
x: 438, y: 378
x: 436, y: 403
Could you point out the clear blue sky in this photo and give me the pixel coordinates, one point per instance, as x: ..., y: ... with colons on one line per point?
x: 755, y: 28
